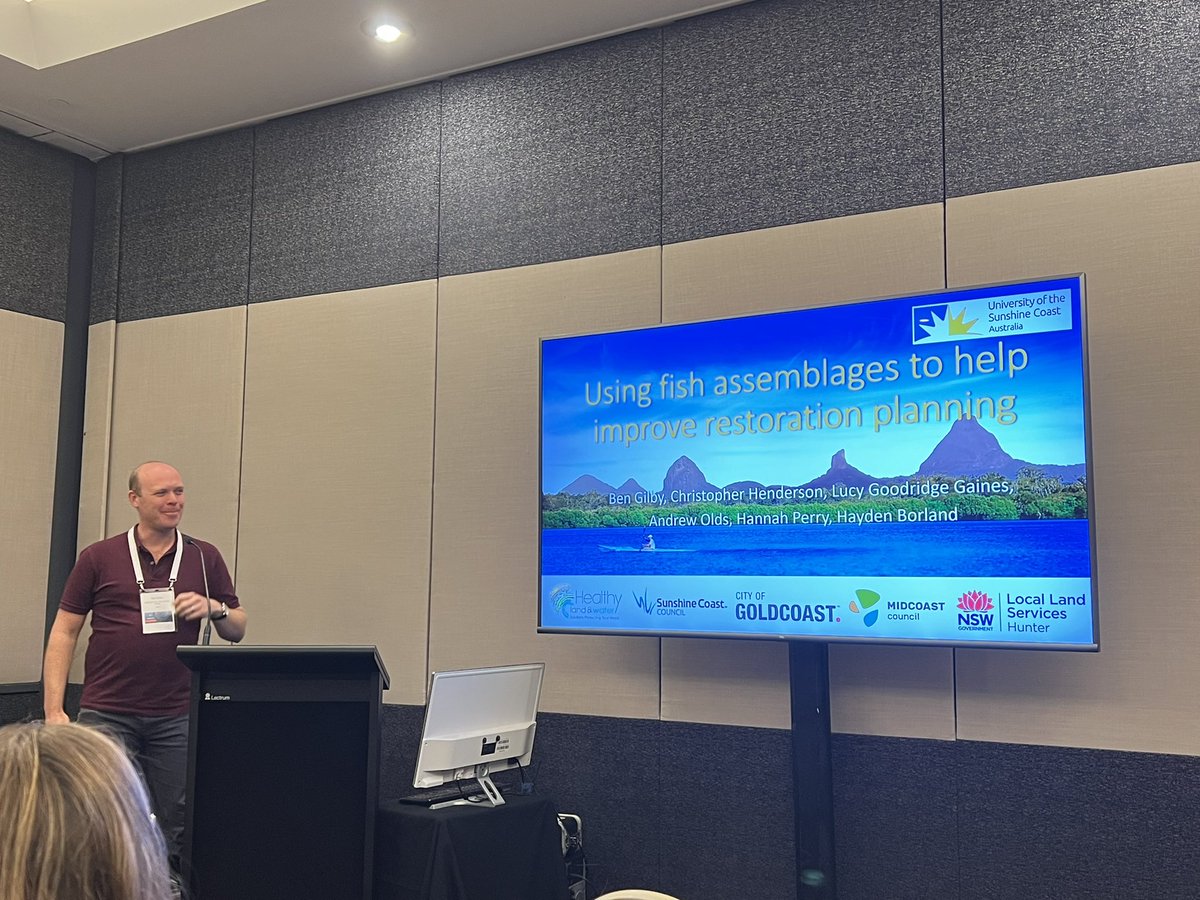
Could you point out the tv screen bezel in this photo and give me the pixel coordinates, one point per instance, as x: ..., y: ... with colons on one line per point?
x: 890, y: 640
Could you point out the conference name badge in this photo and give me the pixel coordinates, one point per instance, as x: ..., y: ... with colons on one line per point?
x: 158, y: 610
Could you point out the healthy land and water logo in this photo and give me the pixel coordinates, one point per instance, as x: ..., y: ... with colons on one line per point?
x: 562, y: 596
x: 862, y: 606
x: 975, y: 612
x: 573, y: 603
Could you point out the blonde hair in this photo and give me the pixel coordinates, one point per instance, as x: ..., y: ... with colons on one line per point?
x: 76, y: 821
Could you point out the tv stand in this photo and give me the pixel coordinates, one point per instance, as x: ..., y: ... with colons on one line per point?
x: 812, y: 770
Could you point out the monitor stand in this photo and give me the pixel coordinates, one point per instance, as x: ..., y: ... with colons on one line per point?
x: 491, y: 793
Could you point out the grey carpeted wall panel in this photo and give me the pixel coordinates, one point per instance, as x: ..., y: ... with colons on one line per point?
x: 704, y: 812
x: 22, y: 707
x: 895, y: 818
x: 347, y: 197
x: 185, y: 227
x: 1044, y: 823
x: 607, y: 771
x: 1039, y: 91
x: 726, y: 796
x: 399, y: 740
x: 551, y: 158
x: 789, y: 111
x: 35, y: 226
x: 106, y: 239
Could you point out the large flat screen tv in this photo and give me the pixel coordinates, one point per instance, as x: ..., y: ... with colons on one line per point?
x: 906, y: 470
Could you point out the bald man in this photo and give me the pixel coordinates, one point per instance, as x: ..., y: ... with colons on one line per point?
x: 146, y: 592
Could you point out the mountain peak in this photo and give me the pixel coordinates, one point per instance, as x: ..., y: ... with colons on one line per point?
x: 967, y: 449
x: 685, y: 475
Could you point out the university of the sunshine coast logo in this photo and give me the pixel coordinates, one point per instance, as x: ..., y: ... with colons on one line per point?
x: 562, y: 595
x: 938, y: 322
x: 862, y: 606
x: 975, y: 612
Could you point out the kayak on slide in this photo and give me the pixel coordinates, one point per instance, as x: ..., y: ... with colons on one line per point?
x: 610, y: 549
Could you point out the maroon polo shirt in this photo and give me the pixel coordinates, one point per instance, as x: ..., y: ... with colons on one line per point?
x: 126, y: 671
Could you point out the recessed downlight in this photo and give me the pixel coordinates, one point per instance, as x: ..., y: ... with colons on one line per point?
x: 387, y: 30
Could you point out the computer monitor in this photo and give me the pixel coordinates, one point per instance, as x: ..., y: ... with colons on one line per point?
x: 477, y: 722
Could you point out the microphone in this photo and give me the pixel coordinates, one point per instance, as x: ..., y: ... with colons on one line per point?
x: 203, y: 571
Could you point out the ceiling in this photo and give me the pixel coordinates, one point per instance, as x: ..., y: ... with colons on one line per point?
x: 104, y: 76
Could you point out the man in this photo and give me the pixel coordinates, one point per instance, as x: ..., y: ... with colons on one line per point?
x: 145, y: 590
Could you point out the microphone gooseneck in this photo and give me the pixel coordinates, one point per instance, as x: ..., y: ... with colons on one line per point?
x: 204, y: 572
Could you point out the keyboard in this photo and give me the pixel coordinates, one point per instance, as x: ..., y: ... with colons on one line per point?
x: 442, y: 793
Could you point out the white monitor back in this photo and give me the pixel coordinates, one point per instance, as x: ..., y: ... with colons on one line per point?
x: 478, y: 721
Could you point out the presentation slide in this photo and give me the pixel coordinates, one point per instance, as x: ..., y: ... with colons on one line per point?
x: 908, y: 470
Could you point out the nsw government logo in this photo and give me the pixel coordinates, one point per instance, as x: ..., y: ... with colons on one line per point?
x: 975, y: 612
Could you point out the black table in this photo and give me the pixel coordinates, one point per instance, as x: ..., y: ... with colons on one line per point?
x: 508, y: 852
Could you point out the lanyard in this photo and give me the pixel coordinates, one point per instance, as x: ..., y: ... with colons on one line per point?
x: 137, y: 563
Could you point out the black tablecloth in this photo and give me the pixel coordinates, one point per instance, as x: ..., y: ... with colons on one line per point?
x: 508, y: 852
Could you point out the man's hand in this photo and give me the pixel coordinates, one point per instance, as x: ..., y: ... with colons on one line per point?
x: 58, y: 717
x: 190, y: 605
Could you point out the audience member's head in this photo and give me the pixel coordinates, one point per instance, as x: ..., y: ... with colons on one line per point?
x: 74, y: 819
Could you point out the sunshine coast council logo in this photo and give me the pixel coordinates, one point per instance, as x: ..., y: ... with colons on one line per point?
x: 866, y: 599
x: 562, y: 595
x: 938, y: 323
x: 975, y: 612
x: 645, y: 604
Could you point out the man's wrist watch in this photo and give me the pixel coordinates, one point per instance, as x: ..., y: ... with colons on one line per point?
x: 216, y: 617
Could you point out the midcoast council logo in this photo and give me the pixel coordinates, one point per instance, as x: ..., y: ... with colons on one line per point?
x: 940, y: 322
x: 866, y: 599
x: 975, y: 612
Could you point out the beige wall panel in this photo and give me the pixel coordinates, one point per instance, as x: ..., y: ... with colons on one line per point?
x: 30, y: 376
x: 484, y: 608
x: 726, y: 682
x: 874, y: 690
x: 868, y: 683
x: 1137, y: 238
x: 177, y: 397
x: 97, y: 434
x: 336, y: 474
x: 883, y: 254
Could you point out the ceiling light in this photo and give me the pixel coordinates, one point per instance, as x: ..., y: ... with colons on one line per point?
x: 386, y: 31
